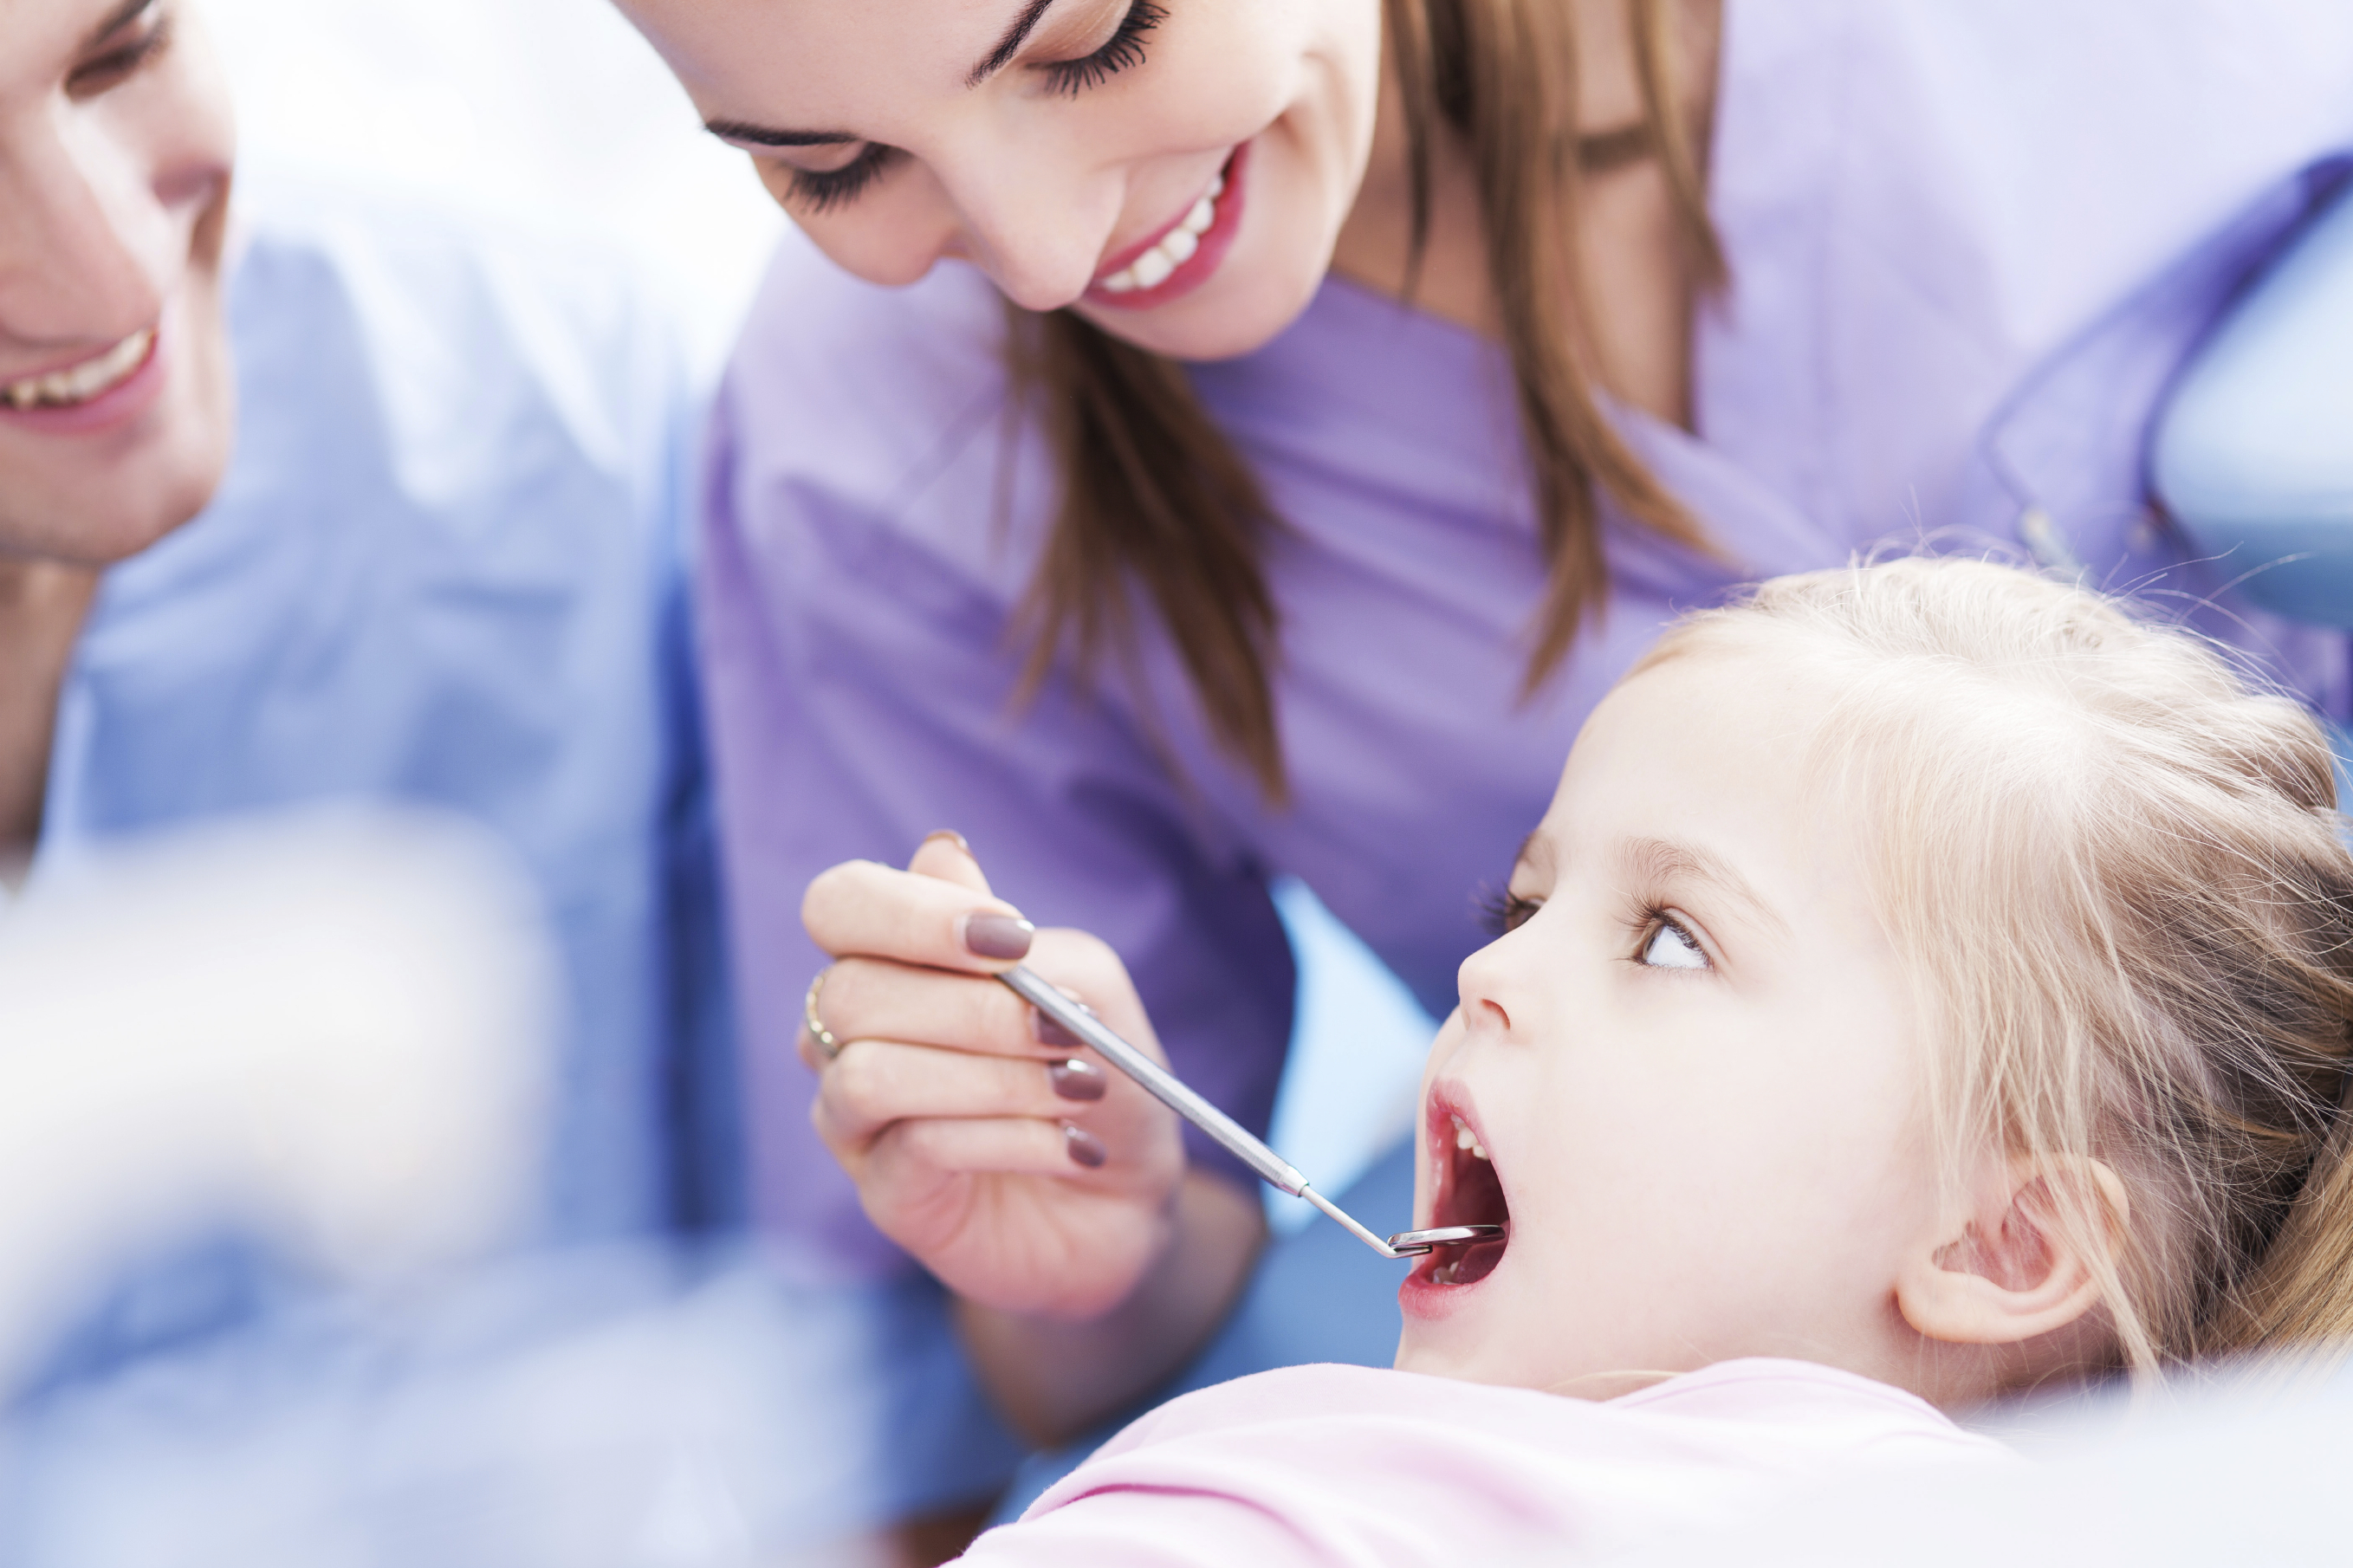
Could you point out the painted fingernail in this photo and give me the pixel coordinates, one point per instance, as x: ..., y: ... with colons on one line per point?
x: 1049, y: 1031
x: 1086, y: 1148
x: 951, y: 835
x: 1075, y: 1079
x: 997, y: 936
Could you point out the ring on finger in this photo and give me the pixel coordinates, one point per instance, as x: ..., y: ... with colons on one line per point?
x: 827, y: 1046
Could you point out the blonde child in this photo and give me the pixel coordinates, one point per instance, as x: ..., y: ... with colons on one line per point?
x: 1930, y: 982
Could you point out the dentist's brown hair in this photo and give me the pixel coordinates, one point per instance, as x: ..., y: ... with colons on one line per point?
x: 1161, y: 516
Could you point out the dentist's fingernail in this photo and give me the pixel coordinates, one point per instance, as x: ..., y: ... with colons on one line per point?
x: 951, y: 835
x: 1086, y: 1148
x: 1075, y: 1079
x: 1049, y: 1031
x: 997, y: 936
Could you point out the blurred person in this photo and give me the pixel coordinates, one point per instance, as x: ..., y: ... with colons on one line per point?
x: 305, y: 496
x: 309, y: 495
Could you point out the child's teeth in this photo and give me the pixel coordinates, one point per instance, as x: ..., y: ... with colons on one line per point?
x: 1465, y: 1138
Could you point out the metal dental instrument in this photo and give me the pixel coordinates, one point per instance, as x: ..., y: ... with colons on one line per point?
x: 1172, y: 1091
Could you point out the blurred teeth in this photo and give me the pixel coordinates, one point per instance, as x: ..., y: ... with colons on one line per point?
x: 65, y: 388
x: 1465, y: 1138
x: 1175, y: 248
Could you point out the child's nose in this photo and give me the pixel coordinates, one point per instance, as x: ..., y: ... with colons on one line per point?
x: 1482, y: 983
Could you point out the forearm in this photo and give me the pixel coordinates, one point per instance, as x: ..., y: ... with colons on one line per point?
x: 1054, y: 1378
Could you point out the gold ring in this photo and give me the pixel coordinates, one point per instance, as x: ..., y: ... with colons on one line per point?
x: 828, y: 1047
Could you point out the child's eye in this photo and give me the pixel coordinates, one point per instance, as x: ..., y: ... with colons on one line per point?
x: 1668, y: 946
x: 1506, y: 911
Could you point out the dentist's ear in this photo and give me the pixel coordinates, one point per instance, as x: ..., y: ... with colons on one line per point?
x: 2013, y: 1273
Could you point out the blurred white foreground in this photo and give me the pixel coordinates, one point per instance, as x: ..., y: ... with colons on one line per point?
x: 331, y: 1036
x: 326, y: 1040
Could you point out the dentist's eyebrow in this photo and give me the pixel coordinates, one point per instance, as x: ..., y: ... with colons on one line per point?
x: 1010, y: 45
x: 761, y: 136
x: 1656, y: 860
x: 121, y: 16
x: 744, y: 133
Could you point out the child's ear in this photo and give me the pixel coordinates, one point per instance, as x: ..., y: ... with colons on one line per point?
x: 2013, y: 1273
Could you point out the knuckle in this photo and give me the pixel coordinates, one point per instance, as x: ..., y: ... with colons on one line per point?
x: 860, y: 1080
x: 833, y: 890
x: 1086, y: 962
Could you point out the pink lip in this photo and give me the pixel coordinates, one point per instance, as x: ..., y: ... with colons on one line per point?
x: 118, y: 404
x: 1197, y: 267
x: 1419, y: 1296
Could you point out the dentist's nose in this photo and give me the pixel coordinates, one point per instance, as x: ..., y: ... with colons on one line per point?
x: 1039, y: 234
x: 87, y: 246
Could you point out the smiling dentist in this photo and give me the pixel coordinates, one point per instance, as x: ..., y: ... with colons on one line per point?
x: 1198, y: 440
x: 307, y: 499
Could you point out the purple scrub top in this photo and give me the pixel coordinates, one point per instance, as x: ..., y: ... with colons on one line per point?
x: 1970, y: 241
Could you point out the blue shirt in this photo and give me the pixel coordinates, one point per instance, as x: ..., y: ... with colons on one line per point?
x: 443, y: 569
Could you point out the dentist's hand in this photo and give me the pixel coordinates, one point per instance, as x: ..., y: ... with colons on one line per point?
x: 1025, y: 1185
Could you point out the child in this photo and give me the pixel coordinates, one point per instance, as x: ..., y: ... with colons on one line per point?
x: 1930, y: 982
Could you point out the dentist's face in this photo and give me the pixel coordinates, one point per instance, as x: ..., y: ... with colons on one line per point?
x: 1176, y: 170
x: 115, y: 149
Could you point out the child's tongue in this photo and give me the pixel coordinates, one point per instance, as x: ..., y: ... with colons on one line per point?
x: 1467, y: 1265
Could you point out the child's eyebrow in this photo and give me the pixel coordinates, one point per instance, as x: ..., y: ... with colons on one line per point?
x: 1656, y: 860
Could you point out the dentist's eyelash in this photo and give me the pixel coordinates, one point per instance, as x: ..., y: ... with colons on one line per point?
x: 1123, y: 49
x: 120, y: 63
x: 1506, y: 912
x: 821, y: 192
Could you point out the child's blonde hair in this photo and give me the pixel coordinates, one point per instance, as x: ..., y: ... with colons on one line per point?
x: 2114, y: 866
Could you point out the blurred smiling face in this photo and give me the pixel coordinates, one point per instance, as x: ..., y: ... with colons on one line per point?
x: 1686, y: 1077
x: 1177, y: 172
x: 115, y: 154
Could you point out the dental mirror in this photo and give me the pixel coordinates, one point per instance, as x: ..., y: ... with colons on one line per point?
x: 1414, y: 1243
x: 1173, y: 1092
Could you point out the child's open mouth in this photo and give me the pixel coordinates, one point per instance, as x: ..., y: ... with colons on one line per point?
x: 1469, y: 1192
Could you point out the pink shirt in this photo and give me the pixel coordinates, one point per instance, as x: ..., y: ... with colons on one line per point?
x: 1346, y: 1465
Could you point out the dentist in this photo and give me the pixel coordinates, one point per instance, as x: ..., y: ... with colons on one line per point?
x: 305, y: 499
x: 1196, y: 440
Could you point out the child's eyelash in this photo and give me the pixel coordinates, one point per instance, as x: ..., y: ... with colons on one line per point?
x: 1506, y: 912
x: 1646, y: 921
x: 823, y: 191
x: 1124, y: 48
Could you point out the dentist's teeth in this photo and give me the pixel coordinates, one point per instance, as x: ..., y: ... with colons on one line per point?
x: 1152, y: 268
x: 1175, y: 248
x: 64, y: 388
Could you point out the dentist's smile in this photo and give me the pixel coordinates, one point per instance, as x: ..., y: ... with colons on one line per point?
x: 1183, y: 253
x: 103, y: 390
